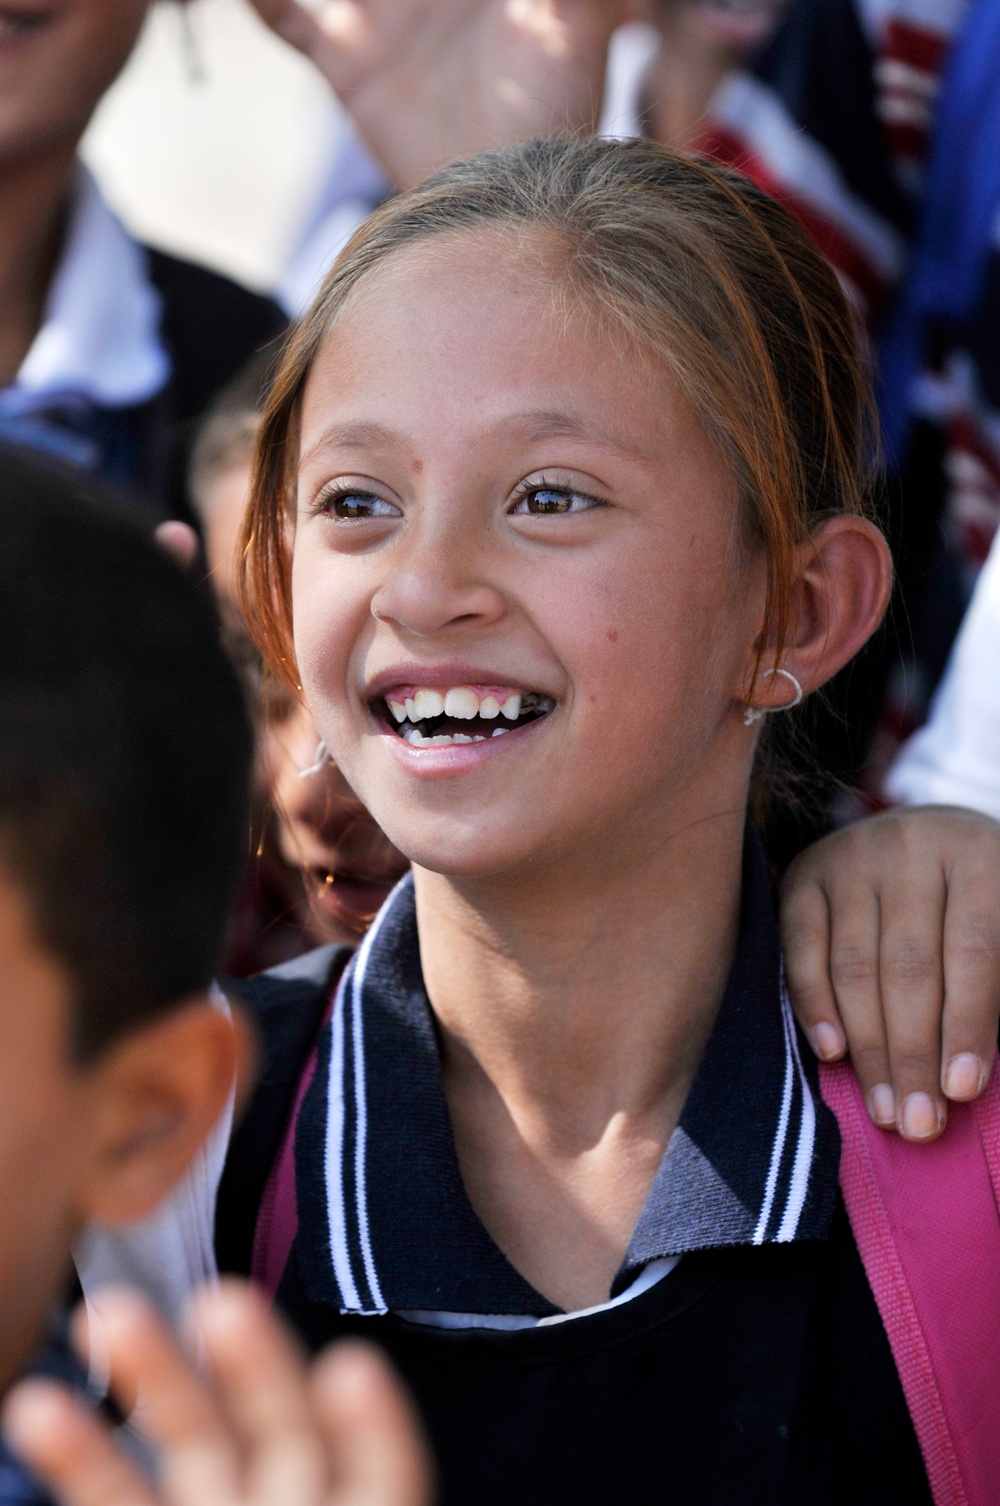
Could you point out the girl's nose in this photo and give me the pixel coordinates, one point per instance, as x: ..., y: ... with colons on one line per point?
x: 434, y: 588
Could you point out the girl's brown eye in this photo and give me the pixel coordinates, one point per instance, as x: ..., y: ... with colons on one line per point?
x: 352, y: 504
x: 546, y: 500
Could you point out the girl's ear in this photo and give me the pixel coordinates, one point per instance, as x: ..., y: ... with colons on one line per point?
x: 157, y: 1094
x: 842, y: 590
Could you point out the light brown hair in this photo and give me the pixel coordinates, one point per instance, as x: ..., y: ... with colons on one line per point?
x: 714, y: 279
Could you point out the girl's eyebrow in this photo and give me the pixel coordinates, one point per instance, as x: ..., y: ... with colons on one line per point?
x: 533, y: 425
x: 354, y: 436
x: 552, y: 424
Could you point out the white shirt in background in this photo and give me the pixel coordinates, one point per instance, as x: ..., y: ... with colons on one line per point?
x: 955, y: 758
x: 100, y: 336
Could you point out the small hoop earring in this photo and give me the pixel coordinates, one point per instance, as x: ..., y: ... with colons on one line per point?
x: 320, y: 761
x: 753, y: 714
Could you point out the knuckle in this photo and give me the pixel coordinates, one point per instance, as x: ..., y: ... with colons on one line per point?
x: 976, y: 940
x: 909, y: 963
x: 868, y: 1059
x: 809, y: 999
x: 800, y: 938
x: 851, y: 966
x: 911, y: 1061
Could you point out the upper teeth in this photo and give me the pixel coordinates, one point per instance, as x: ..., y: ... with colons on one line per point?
x: 425, y: 703
x: 461, y: 702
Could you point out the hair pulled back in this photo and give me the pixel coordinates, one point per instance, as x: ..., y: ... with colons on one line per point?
x: 690, y: 260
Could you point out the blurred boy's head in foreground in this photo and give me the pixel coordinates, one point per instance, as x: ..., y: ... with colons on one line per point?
x: 124, y: 758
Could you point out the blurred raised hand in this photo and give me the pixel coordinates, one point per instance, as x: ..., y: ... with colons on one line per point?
x: 426, y: 81
x: 255, y: 1427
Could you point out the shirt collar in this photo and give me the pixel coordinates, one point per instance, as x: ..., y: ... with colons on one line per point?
x: 100, y: 340
x: 385, y: 1222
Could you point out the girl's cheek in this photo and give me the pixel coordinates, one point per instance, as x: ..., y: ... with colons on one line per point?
x: 323, y: 613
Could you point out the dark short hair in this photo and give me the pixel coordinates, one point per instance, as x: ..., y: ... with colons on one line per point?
x: 125, y: 751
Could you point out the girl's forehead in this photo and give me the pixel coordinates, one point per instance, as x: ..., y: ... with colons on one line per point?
x: 484, y: 270
x: 480, y: 321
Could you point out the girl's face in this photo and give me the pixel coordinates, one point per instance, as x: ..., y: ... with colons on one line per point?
x: 523, y: 611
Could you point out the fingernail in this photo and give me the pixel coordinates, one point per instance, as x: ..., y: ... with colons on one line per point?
x: 920, y: 1117
x: 964, y: 1076
x: 828, y: 1043
x: 883, y: 1104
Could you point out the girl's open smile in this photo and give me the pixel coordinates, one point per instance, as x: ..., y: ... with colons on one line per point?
x: 442, y: 716
x: 448, y: 725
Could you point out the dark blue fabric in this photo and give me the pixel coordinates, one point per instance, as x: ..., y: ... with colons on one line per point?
x: 958, y: 218
x: 106, y: 442
x: 55, y: 1360
x: 17, y: 1487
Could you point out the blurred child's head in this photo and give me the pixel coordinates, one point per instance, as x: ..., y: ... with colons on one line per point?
x: 57, y: 58
x: 566, y: 462
x: 124, y: 759
x: 341, y: 864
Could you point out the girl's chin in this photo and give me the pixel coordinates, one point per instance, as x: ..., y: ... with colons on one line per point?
x: 488, y: 853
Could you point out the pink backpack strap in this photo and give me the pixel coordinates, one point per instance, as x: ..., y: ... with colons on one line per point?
x: 278, y: 1219
x: 927, y: 1224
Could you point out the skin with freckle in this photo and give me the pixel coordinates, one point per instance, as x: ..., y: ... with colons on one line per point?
x: 459, y: 328
x: 642, y: 743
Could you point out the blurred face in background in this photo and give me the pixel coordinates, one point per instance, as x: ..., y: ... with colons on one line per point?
x: 57, y: 58
x: 322, y: 831
x: 347, y: 863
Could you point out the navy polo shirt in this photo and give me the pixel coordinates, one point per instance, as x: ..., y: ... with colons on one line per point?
x: 740, y: 1359
x: 385, y: 1221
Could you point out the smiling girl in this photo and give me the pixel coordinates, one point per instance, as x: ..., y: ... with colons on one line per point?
x: 560, y: 494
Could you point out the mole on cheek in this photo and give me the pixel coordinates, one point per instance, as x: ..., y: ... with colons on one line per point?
x: 612, y: 635
x: 418, y: 466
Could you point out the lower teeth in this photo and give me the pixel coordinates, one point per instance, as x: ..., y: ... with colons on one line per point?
x: 442, y: 740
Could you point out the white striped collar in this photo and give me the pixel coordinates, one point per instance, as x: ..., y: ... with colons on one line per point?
x: 385, y: 1222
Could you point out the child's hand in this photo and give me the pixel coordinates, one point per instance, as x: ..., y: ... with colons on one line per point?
x: 261, y: 1430
x: 426, y: 81
x: 891, y: 935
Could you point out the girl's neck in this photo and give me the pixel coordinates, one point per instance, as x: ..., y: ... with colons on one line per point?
x: 33, y: 202
x: 574, y: 1007
x: 588, y: 993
